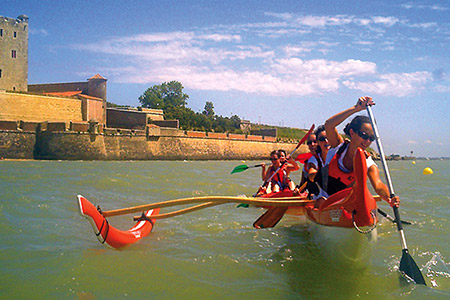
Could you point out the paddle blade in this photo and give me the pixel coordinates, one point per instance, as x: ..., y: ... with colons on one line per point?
x: 409, y: 268
x: 303, y: 157
x: 240, y: 168
x: 271, y: 217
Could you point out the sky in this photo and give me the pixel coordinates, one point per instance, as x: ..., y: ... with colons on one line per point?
x: 284, y: 63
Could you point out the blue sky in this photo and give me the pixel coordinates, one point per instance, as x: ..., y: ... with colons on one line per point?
x: 288, y: 63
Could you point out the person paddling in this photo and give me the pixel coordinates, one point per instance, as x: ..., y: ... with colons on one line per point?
x: 290, y: 165
x: 311, y: 142
x: 283, y: 167
x: 316, y: 162
x: 337, y: 173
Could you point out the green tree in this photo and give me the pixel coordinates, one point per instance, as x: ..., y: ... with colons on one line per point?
x: 209, y: 109
x: 164, y: 96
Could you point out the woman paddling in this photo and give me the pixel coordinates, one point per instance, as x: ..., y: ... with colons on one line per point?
x: 316, y: 162
x: 283, y: 166
x: 289, y: 165
x: 312, y: 146
x: 338, y: 171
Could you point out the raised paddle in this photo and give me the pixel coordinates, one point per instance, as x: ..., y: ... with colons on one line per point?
x: 242, y: 168
x: 407, y: 264
x: 274, y: 214
x: 303, y: 157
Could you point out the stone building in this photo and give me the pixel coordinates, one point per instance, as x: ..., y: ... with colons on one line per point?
x: 14, y: 53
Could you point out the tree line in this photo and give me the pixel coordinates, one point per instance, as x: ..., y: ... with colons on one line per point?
x: 169, y: 97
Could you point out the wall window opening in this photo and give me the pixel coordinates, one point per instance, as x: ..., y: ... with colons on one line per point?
x: 13, y: 54
x: 15, y: 34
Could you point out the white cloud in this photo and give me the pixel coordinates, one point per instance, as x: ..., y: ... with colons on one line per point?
x: 42, y: 32
x: 412, y: 142
x: 424, y: 25
x: 411, y: 5
x: 442, y: 88
x: 388, y: 21
x: 294, y: 50
x: 394, y: 84
x: 236, y: 58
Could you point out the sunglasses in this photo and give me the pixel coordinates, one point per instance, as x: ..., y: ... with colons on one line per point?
x: 311, y: 142
x: 322, y: 138
x: 365, y: 136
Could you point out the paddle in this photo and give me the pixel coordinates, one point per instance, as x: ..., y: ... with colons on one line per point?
x: 274, y: 214
x: 407, y: 264
x: 303, y: 157
x: 391, y: 218
x: 242, y: 168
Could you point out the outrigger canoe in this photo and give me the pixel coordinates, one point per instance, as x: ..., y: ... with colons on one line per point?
x: 344, y: 225
x: 345, y: 222
x: 110, y: 235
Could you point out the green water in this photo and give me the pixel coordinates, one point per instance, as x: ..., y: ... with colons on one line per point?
x: 48, y: 251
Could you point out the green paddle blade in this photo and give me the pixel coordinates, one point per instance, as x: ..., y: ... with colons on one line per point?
x: 409, y: 267
x: 240, y: 168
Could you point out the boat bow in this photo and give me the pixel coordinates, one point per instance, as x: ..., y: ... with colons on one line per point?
x: 110, y: 235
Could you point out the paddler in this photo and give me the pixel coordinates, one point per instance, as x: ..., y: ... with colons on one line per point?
x: 290, y: 165
x: 280, y: 181
x: 318, y: 159
x: 312, y: 144
x: 337, y: 173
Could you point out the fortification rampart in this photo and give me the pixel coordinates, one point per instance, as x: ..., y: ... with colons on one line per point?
x: 40, y: 108
x: 16, y: 106
x: 125, y: 144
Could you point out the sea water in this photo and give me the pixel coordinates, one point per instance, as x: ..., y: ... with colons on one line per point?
x: 49, y: 251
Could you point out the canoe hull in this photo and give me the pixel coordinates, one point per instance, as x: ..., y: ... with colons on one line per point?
x: 352, y: 207
x: 343, y: 246
x: 110, y: 235
x: 344, y: 225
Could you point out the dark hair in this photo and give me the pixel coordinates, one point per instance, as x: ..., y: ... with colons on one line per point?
x: 281, y: 151
x: 318, y: 131
x: 274, y: 152
x: 356, y: 124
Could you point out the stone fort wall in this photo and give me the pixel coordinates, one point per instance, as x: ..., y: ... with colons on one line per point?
x: 16, y: 106
x: 132, y: 145
x: 40, y: 108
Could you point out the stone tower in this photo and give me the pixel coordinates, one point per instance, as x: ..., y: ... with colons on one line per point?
x: 14, y: 53
x: 97, y: 88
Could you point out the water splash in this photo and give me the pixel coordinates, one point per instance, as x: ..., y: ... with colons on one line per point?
x: 437, y: 270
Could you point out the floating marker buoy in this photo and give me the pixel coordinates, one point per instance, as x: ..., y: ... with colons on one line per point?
x: 413, y: 162
x: 427, y: 171
x: 243, y: 161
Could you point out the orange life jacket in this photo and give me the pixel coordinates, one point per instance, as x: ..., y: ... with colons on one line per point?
x: 333, y: 178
